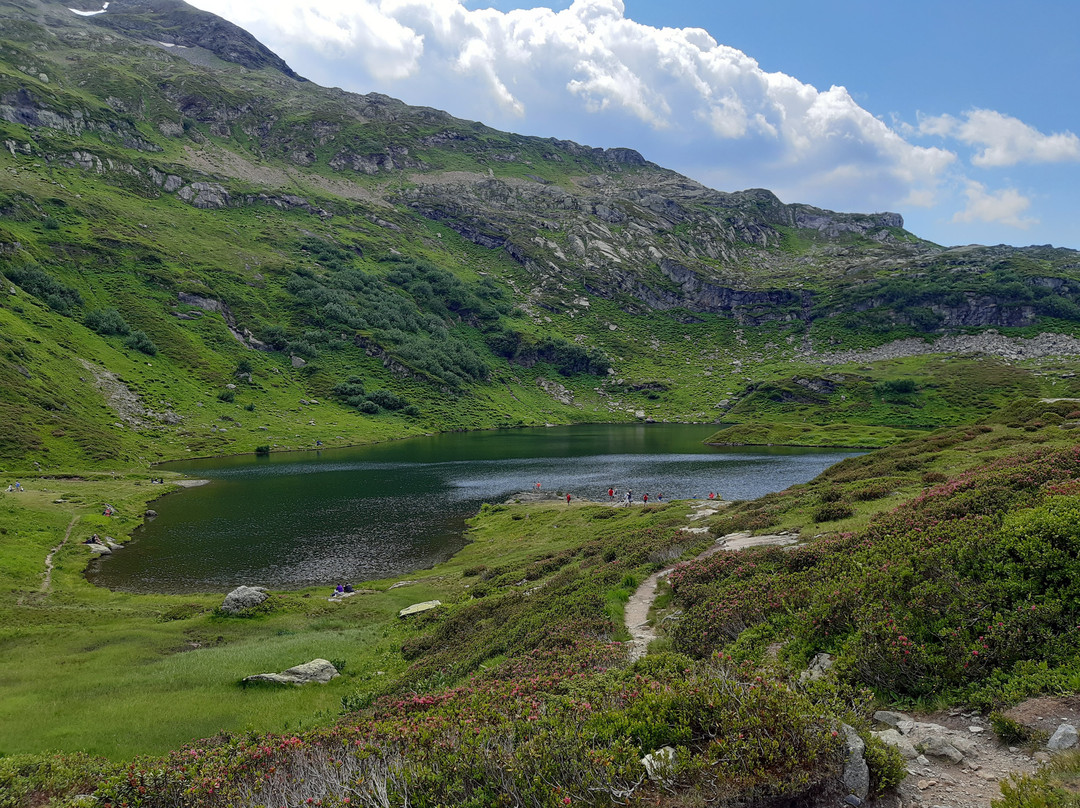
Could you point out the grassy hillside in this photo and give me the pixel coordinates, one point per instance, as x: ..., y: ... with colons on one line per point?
x: 228, y: 241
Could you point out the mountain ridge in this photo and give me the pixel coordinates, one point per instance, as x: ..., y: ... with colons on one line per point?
x: 527, y: 276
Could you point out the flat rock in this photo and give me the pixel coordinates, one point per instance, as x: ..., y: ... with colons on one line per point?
x: 891, y: 718
x: 417, y: 608
x: 243, y: 598
x: 318, y: 671
x: 894, y: 739
x: 937, y: 746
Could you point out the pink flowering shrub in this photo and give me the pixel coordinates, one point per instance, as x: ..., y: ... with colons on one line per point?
x: 960, y: 587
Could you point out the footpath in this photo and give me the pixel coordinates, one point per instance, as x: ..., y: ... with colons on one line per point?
x: 954, y: 760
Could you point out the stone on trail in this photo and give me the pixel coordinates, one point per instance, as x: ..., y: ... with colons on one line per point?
x: 890, y: 718
x: 891, y: 737
x: 937, y: 746
x: 1064, y: 737
x: 243, y: 598
x: 319, y: 671
x: 417, y: 608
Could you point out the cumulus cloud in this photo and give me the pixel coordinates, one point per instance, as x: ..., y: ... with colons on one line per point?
x: 1005, y: 140
x: 999, y: 207
x: 589, y: 73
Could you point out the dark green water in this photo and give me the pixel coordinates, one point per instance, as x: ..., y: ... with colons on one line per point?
x: 301, y: 519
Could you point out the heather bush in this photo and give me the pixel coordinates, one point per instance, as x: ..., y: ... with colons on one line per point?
x: 958, y: 591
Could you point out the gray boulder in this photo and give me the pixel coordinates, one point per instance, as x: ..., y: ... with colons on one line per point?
x: 856, y: 775
x: 890, y: 718
x: 820, y: 665
x: 891, y: 737
x: 319, y: 671
x: 938, y: 746
x: 243, y: 598
x: 1064, y: 737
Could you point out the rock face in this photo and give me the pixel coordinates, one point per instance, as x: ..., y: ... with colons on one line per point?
x: 243, y: 598
x: 856, y: 775
x: 318, y: 671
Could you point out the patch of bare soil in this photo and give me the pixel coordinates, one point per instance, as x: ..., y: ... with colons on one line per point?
x: 125, y: 403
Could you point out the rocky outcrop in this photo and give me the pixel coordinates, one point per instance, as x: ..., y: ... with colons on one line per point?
x: 855, y: 777
x: 243, y: 598
x: 989, y: 343
x: 318, y: 671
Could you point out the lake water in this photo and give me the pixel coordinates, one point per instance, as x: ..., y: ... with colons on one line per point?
x: 300, y: 519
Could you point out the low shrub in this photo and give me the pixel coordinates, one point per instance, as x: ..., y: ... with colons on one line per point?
x: 833, y: 511
x: 141, y: 342
x: 1009, y: 731
x: 106, y: 322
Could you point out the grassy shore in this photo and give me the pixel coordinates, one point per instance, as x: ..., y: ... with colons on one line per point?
x: 120, y: 674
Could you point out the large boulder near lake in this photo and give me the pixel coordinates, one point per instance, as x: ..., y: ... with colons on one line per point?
x: 319, y: 671
x: 243, y: 598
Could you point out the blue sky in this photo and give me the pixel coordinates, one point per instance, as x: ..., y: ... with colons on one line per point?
x: 962, y: 116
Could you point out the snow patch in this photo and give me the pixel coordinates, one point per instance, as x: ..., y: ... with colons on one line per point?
x: 102, y: 10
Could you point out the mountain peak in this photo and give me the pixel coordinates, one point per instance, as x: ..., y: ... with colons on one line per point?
x: 177, y: 23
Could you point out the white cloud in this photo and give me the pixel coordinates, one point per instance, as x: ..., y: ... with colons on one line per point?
x: 1006, y: 141
x: 589, y: 73
x: 1000, y: 207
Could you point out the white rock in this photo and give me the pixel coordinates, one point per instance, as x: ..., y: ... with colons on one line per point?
x: 242, y: 598
x: 659, y: 764
x: 417, y: 608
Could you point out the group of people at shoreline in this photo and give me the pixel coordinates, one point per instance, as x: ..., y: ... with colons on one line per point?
x: 628, y: 496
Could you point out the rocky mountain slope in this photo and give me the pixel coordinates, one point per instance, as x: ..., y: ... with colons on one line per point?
x: 167, y: 175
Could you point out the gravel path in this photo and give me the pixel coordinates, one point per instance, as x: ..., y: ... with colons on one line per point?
x: 636, y: 614
x: 46, y: 584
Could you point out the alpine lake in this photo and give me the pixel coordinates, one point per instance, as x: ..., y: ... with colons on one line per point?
x: 330, y: 516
